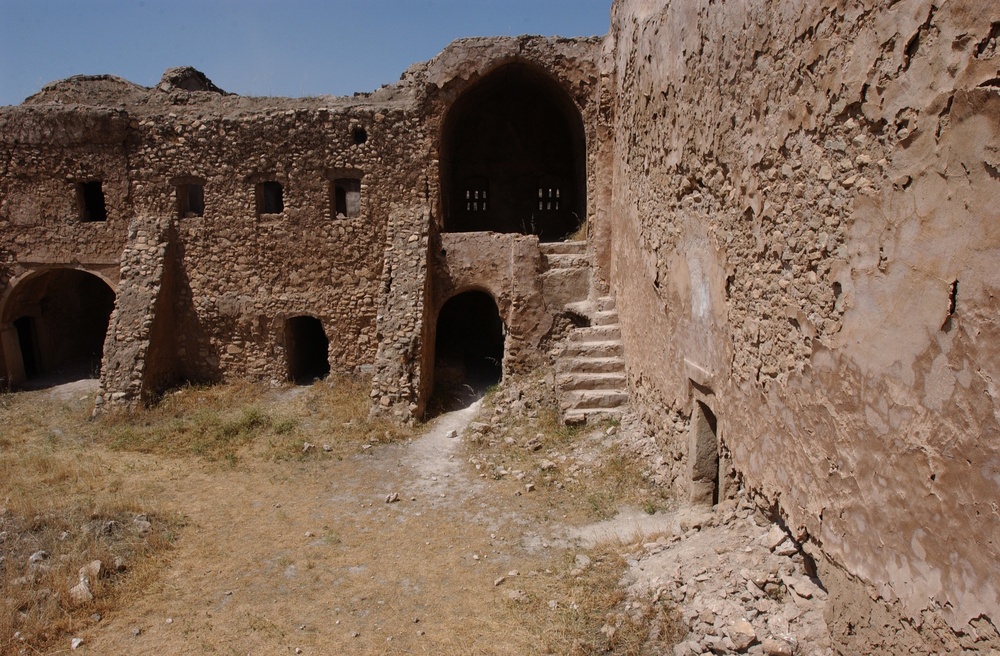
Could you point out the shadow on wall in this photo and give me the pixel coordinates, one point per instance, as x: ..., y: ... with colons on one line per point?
x: 468, y: 348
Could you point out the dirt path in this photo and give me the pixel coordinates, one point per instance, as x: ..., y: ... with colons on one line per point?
x: 279, y: 557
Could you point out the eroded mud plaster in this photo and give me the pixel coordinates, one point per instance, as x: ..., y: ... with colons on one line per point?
x: 805, y: 201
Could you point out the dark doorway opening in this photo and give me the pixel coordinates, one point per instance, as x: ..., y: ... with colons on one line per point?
x: 703, y: 456
x: 61, y: 319
x: 307, y: 349
x: 468, y: 350
x: 26, y: 339
x: 514, y: 157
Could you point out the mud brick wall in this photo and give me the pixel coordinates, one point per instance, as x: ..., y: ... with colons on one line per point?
x: 805, y: 202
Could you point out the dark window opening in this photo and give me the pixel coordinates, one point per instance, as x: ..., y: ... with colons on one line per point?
x: 61, y: 321
x: 360, y: 136
x: 550, y: 194
x: 190, y: 200
x: 469, y: 348
x: 703, y: 456
x: 307, y: 349
x: 270, y: 198
x: 476, y: 195
x: 347, y: 198
x: 90, y: 199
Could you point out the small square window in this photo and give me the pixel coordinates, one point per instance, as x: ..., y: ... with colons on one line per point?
x: 190, y: 200
x: 346, y: 199
x: 270, y: 198
x: 90, y: 201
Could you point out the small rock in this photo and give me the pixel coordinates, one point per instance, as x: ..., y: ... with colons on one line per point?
x: 307, y: 446
x: 499, y: 581
x: 327, y: 448
x: 142, y: 524
x: 136, y: 631
x: 546, y: 465
x: 80, y: 593
x: 298, y: 650
x: 451, y: 434
x: 518, y: 596
x: 75, y: 643
x: 775, y: 537
x: 742, y: 634
x: 92, y: 570
x: 96, y: 617
x: 777, y: 647
x: 582, y: 561
x: 392, y: 498
x: 38, y: 557
x: 529, y: 487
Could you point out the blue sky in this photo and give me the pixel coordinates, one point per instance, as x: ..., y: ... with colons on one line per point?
x: 261, y: 47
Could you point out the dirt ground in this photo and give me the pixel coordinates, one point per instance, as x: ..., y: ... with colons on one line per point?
x: 474, y: 535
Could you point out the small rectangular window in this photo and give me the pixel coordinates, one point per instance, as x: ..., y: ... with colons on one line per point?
x: 190, y: 200
x: 346, y: 199
x: 476, y: 195
x: 90, y: 201
x: 270, y: 198
x: 549, y: 194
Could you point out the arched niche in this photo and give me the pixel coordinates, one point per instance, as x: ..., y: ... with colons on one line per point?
x: 513, y: 157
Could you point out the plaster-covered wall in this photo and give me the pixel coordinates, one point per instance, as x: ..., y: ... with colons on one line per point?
x: 805, y: 238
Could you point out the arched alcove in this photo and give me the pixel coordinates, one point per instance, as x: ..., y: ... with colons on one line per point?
x: 307, y: 349
x: 54, y: 327
x: 513, y: 157
x: 468, y: 348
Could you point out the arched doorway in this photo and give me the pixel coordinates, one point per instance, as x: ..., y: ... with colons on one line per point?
x: 513, y: 157
x: 307, y: 349
x: 54, y: 327
x: 468, y: 349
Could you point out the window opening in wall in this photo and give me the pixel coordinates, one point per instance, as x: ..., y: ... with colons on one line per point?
x: 307, y: 350
x: 550, y: 194
x: 90, y: 199
x: 360, y: 136
x: 476, y: 194
x: 468, y: 347
x: 270, y: 198
x: 190, y: 200
x: 703, y: 456
x: 347, y: 198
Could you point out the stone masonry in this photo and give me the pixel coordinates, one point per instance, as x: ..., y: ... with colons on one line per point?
x: 766, y: 225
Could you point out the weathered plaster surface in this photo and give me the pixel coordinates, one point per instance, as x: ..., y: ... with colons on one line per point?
x: 798, y: 187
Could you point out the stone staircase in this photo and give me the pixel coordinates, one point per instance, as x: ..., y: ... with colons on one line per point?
x: 566, y: 278
x: 590, y: 370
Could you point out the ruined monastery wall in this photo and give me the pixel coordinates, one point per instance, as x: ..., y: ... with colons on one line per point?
x: 805, y: 211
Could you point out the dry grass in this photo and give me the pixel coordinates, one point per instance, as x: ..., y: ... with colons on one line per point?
x: 61, y: 499
x: 576, y: 611
x: 227, y: 422
x: 74, y: 487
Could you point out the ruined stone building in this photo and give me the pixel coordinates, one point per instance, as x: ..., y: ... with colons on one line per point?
x: 772, y: 226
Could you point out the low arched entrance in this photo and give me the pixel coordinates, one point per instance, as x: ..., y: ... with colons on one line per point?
x: 53, y: 327
x: 468, y: 349
x: 307, y: 349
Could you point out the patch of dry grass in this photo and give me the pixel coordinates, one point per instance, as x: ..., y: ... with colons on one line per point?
x: 63, y: 504
x: 228, y: 422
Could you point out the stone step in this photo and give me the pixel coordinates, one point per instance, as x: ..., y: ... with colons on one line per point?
x: 590, y: 415
x: 590, y: 365
x: 593, y: 399
x: 563, y: 286
x: 605, y: 303
x: 590, y: 381
x: 605, y: 349
x: 605, y: 318
x: 596, y: 334
x: 575, y: 247
x: 566, y: 261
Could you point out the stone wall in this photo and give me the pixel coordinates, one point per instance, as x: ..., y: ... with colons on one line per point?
x: 803, y: 241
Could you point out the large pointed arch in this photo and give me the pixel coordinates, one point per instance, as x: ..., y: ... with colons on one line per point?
x: 513, y: 157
